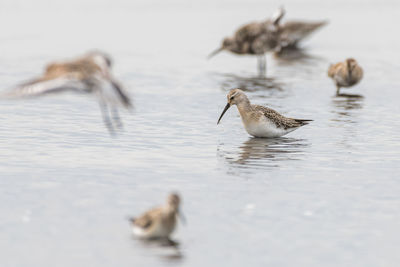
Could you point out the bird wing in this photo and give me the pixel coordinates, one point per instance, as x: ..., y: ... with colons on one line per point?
x: 358, y: 73
x: 334, y: 68
x: 249, y: 32
x: 293, y: 32
x: 280, y: 120
x: 45, y: 86
x: 147, y: 219
x: 257, y: 37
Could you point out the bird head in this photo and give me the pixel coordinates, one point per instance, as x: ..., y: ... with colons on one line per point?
x: 351, y: 63
x: 234, y: 97
x: 173, y: 202
x: 227, y: 44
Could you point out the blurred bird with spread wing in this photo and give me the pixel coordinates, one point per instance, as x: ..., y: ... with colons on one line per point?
x: 90, y: 73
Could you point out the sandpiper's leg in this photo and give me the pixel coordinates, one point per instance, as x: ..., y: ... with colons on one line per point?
x: 265, y: 64
x: 116, y: 118
x: 170, y: 243
x: 262, y: 64
x: 106, y: 117
x: 337, y: 90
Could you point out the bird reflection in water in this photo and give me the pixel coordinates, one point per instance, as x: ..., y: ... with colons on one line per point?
x: 264, y: 153
x: 345, y: 110
x: 350, y: 97
x: 168, y: 250
x: 297, y: 62
x: 345, y: 105
x: 295, y: 56
x: 250, y: 84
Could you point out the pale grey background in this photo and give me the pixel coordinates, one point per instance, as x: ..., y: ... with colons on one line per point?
x: 325, y: 195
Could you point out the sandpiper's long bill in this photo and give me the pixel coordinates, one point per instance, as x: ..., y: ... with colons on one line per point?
x: 90, y: 73
x: 160, y: 222
x: 260, y: 121
x: 345, y: 74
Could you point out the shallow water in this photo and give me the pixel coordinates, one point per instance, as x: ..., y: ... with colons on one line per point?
x: 324, y: 195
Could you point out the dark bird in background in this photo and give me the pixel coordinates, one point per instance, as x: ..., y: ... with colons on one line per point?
x: 255, y: 38
x: 258, y: 38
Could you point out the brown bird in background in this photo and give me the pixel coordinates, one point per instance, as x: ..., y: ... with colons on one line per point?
x: 255, y: 38
x: 159, y: 222
x: 345, y: 74
x: 91, y: 74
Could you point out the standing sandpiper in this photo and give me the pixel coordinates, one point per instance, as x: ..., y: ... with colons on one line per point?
x: 90, y: 73
x: 160, y: 222
x: 345, y: 74
x: 261, y: 121
x: 255, y: 38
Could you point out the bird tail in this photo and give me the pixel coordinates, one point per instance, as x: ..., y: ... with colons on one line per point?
x: 313, y: 26
x: 303, y: 122
x: 321, y: 23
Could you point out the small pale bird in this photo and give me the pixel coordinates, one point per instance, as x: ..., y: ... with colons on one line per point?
x: 160, y: 222
x: 345, y: 74
x: 90, y: 73
x: 261, y: 121
x: 255, y: 38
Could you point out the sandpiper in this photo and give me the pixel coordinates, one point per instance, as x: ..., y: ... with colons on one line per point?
x: 255, y: 38
x: 90, y: 73
x: 345, y: 74
x: 160, y: 222
x: 260, y: 121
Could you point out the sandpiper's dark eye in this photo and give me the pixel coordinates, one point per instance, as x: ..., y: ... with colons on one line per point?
x: 109, y: 63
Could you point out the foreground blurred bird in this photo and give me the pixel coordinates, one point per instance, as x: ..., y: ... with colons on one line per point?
x: 345, y: 74
x: 90, y: 73
x: 160, y: 222
x: 255, y: 38
x: 261, y: 121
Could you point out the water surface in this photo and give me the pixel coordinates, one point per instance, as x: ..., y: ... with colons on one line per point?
x: 324, y: 195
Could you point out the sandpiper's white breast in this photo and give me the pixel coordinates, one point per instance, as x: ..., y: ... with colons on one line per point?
x: 159, y: 230
x: 138, y: 231
x: 265, y: 128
